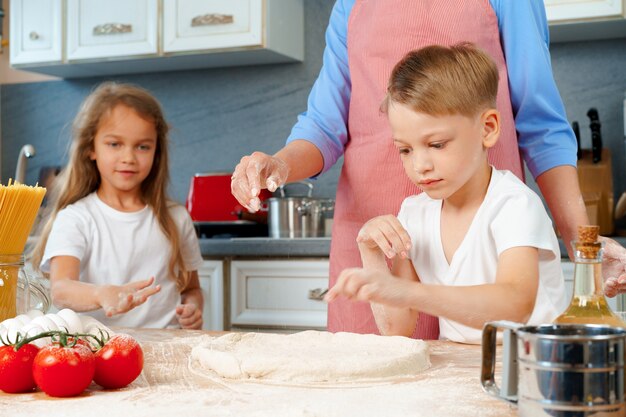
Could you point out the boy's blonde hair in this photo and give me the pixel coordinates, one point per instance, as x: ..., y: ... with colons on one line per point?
x: 81, y: 176
x: 439, y: 80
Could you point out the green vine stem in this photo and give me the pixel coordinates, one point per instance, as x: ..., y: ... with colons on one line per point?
x: 63, y: 338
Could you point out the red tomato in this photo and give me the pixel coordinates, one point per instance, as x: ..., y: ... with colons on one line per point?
x: 119, y: 362
x: 64, y: 371
x: 16, y: 373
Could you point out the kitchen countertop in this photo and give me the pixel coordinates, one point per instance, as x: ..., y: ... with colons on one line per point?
x: 308, y: 247
x: 170, y: 386
x: 265, y: 246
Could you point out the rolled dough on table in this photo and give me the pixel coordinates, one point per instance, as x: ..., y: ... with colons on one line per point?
x: 310, y: 356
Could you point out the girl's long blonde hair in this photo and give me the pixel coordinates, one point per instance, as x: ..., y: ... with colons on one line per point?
x: 81, y: 176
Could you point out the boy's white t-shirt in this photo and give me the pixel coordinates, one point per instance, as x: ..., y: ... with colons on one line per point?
x: 511, y: 215
x: 116, y: 248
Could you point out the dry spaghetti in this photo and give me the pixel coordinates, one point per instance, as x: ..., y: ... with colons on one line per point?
x: 19, y: 204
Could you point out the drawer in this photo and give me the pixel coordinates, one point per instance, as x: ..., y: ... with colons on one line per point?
x: 276, y: 293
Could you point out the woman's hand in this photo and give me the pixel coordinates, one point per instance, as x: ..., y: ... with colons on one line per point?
x: 386, y: 234
x: 189, y: 316
x: 255, y: 172
x: 117, y: 299
x: 613, y: 267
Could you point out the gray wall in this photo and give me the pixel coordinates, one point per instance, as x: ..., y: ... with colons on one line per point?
x: 218, y: 115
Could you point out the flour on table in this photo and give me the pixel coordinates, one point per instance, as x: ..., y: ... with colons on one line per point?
x: 310, y: 356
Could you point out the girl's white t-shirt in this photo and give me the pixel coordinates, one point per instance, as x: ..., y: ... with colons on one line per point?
x: 511, y: 215
x: 116, y: 248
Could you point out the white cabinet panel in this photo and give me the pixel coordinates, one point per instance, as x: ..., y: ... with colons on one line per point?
x: 276, y: 293
x: 559, y: 10
x: 211, y: 276
x: 97, y: 38
x: 112, y: 28
x: 36, y: 31
x: 192, y: 25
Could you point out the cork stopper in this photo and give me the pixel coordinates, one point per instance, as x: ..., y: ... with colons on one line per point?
x: 587, y: 244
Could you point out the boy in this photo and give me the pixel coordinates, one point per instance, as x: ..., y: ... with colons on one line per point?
x: 477, y: 244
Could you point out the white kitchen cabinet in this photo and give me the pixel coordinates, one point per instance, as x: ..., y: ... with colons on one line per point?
x: 560, y: 10
x: 585, y: 20
x: 99, y: 38
x: 36, y: 31
x: 191, y: 25
x: 112, y: 28
x: 211, y: 276
x: 275, y: 293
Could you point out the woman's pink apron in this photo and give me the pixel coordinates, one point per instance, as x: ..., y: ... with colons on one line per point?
x: 372, y: 181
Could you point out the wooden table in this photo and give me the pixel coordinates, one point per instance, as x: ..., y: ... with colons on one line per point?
x: 169, y: 386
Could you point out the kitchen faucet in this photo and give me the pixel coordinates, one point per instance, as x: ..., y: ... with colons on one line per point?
x: 27, y: 151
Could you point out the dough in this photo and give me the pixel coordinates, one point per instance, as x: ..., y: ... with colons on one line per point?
x: 310, y: 356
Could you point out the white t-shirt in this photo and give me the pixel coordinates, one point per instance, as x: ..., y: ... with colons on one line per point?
x: 116, y: 248
x: 511, y: 215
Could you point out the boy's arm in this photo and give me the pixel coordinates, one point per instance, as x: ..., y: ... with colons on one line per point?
x: 386, y: 235
x: 68, y: 292
x: 391, y: 320
x: 511, y: 297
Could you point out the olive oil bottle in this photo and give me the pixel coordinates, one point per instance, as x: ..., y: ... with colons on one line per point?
x: 588, y: 305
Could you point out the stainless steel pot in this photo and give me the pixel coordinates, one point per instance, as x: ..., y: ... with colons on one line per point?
x: 298, y: 216
x: 558, y: 370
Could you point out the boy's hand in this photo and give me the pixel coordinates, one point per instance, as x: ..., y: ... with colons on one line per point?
x: 360, y: 284
x: 387, y: 234
x: 613, y: 267
x: 189, y: 316
x: 117, y: 299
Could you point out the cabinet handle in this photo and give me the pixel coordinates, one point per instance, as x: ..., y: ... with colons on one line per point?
x: 212, y: 19
x: 33, y: 36
x: 317, y: 294
x: 112, y: 29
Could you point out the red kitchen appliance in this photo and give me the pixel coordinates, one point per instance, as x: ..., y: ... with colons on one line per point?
x: 210, y: 199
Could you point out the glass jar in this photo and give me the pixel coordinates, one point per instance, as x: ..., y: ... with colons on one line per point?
x: 11, y: 274
x: 20, y: 289
x: 588, y: 304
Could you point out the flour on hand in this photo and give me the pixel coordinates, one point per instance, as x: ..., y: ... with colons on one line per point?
x: 310, y: 356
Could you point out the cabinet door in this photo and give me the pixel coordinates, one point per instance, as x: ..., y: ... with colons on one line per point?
x: 211, y: 276
x: 276, y: 293
x: 35, y: 31
x: 192, y: 25
x: 112, y: 28
x: 559, y: 10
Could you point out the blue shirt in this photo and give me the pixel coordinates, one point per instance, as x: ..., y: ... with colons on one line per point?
x: 544, y: 134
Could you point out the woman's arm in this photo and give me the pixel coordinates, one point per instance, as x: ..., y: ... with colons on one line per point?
x: 561, y: 191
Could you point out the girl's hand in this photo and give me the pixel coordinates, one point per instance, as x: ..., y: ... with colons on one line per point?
x: 117, y: 299
x: 386, y: 234
x: 360, y: 284
x: 255, y: 172
x: 189, y: 316
x: 613, y: 267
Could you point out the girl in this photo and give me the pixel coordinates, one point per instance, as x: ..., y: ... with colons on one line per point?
x: 114, y: 242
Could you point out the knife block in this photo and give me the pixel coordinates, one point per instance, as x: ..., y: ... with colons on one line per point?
x: 596, y: 186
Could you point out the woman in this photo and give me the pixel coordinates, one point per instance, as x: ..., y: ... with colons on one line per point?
x: 364, y: 40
